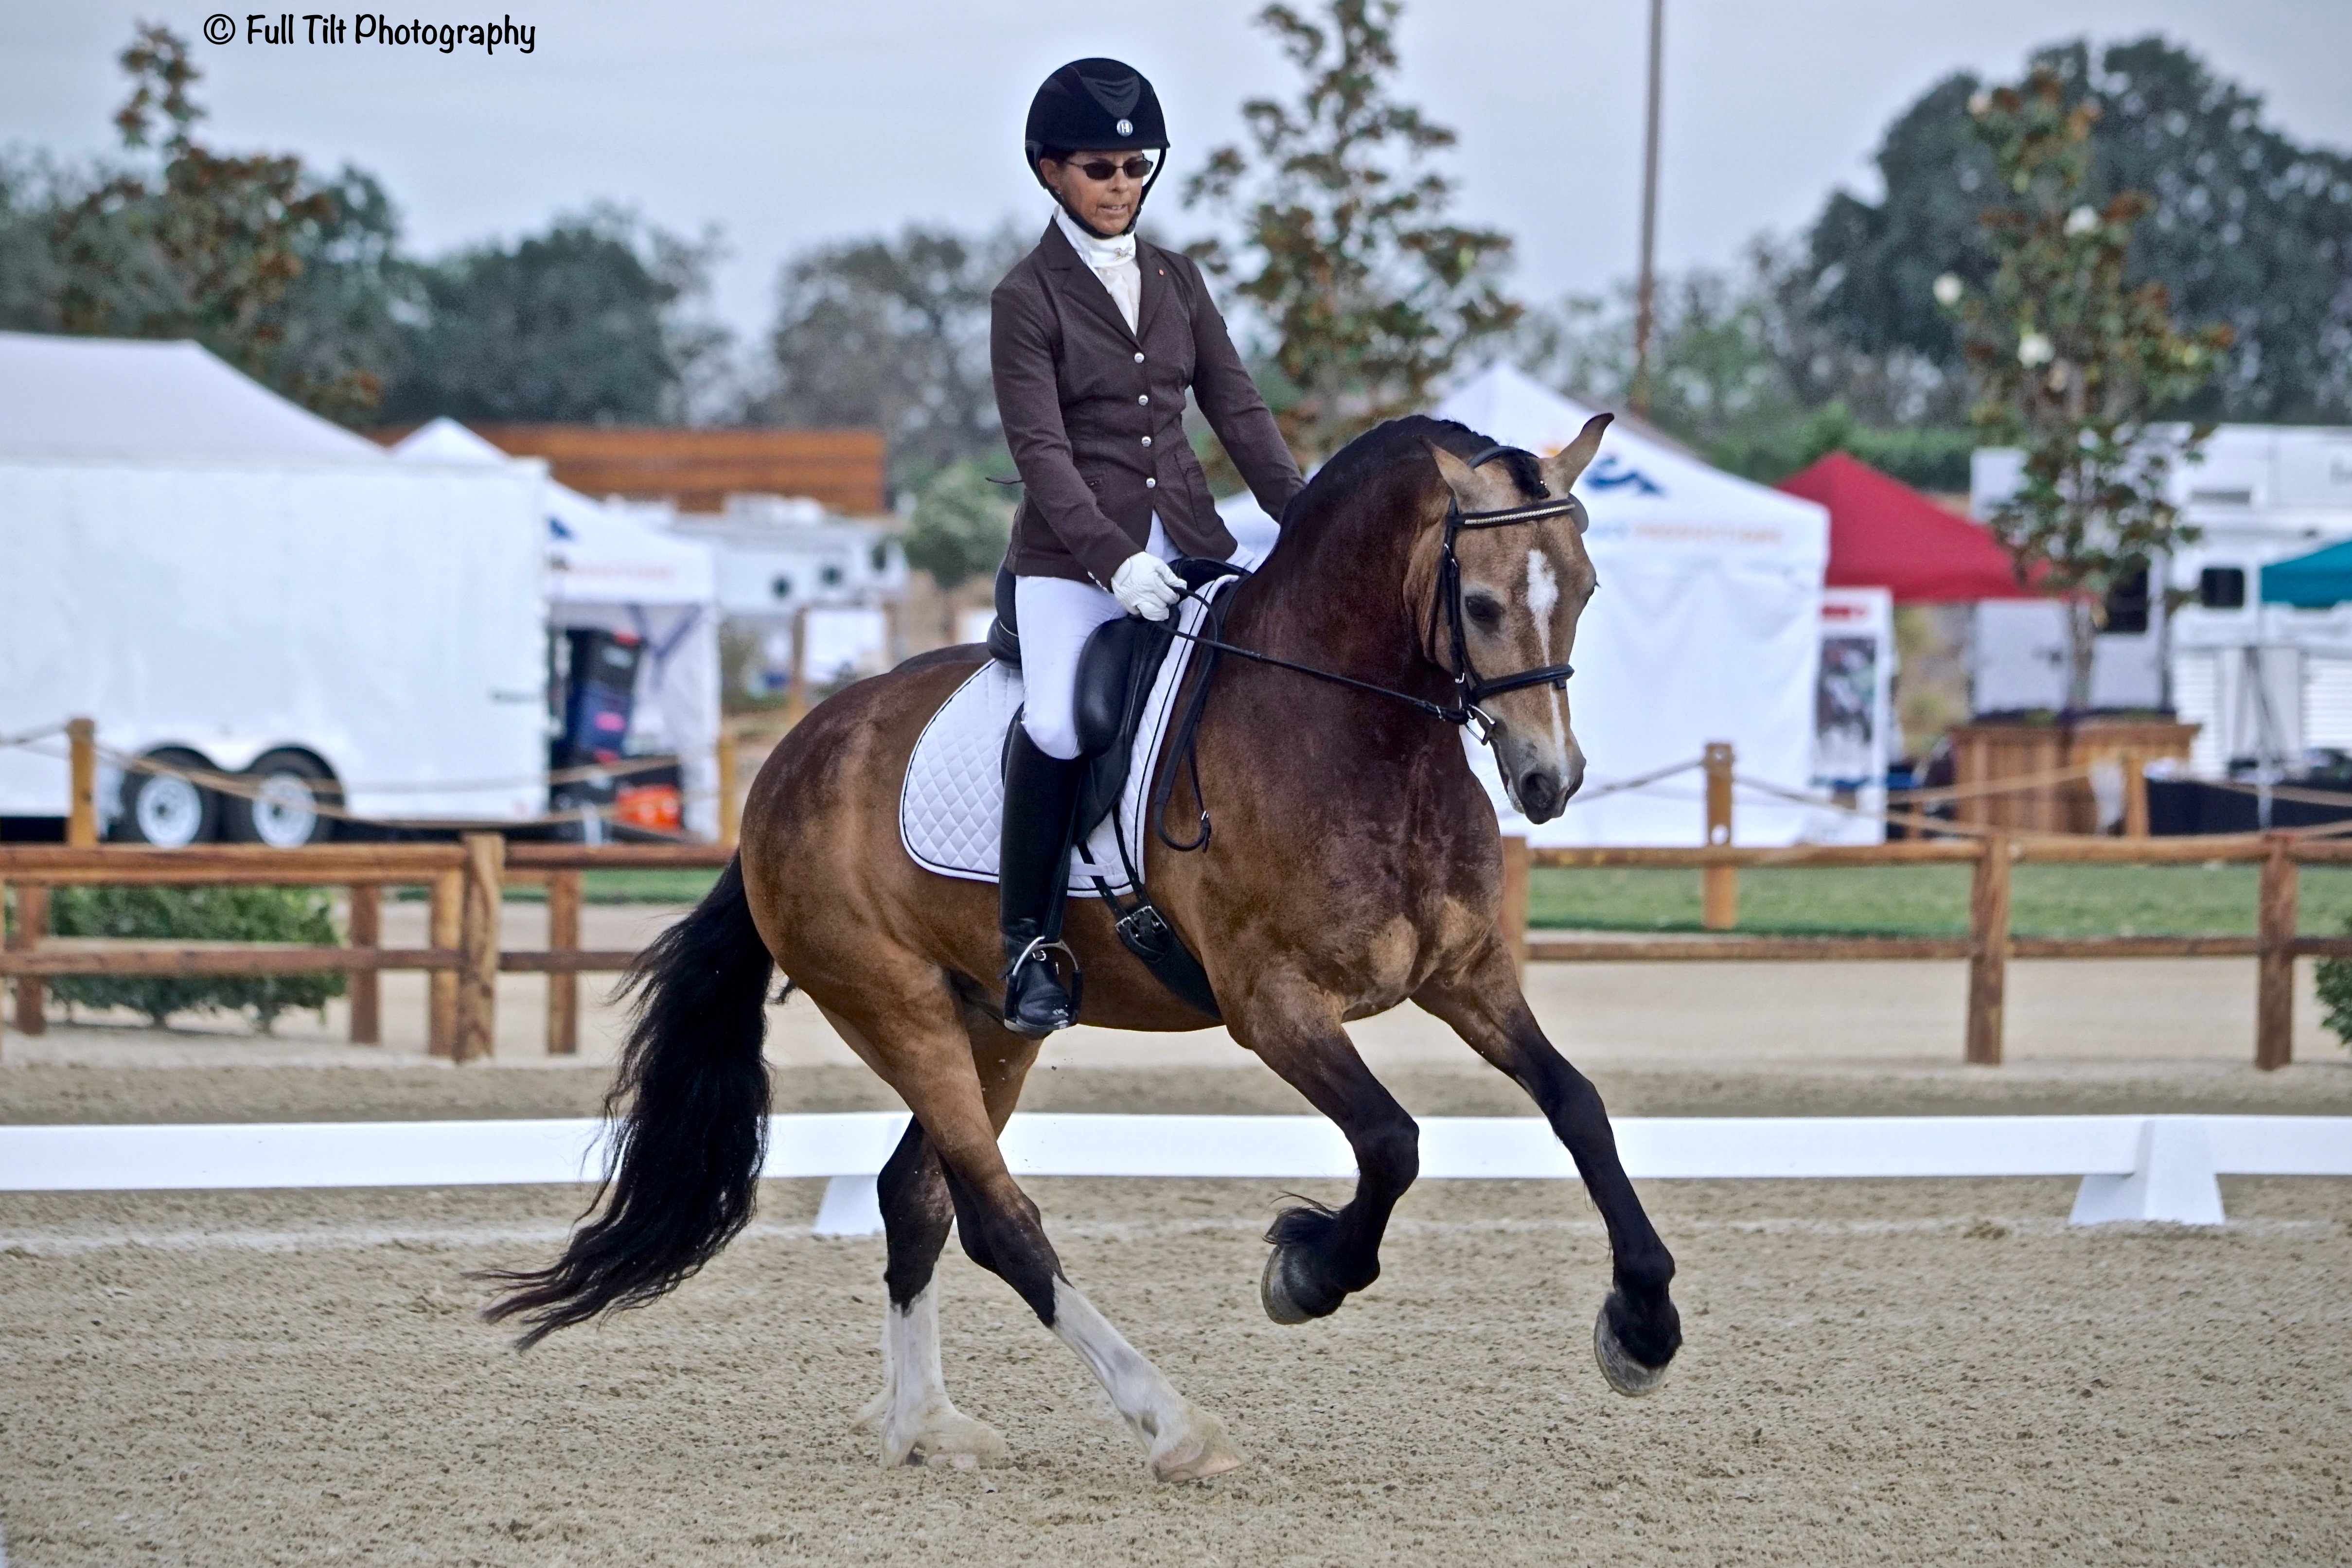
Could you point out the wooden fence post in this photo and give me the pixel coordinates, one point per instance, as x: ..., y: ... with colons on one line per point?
x: 81, y: 803
x: 478, y: 973
x: 2275, y: 971
x: 1513, y: 912
x: 445, y: 926
x: 730, y: 810
x: 2136, y: 820
x: 366, y: 989
x: 564, y: 985
x: 1718, y: 884
x: 32, y: 925
x: 1987, y: 952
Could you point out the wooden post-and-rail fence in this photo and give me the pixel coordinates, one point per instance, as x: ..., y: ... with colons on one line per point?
x: 1989, y: 944
x: 463, y: 957
x: 467, y: 881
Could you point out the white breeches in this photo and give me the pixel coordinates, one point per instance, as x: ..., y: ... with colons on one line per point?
x: 1057, y: 616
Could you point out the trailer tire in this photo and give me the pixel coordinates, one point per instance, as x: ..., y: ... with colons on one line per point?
x: 284, y: 811
x: 163, y: 808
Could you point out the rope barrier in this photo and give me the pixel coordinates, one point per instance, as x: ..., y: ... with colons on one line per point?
x: 29, y: 737
x: 243, y: 789
x: 617, y: 770
x: 1640, y: 781
x: 1941, y: 792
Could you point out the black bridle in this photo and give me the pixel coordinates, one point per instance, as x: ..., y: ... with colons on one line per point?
x: 1471, y: 689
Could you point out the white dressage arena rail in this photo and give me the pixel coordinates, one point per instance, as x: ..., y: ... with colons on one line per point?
x: 2133, y: 1167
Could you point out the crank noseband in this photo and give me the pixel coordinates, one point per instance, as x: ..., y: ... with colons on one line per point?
x: 1471, y: 688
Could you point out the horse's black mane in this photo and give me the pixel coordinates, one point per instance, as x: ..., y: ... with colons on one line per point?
x: 1384, y: 443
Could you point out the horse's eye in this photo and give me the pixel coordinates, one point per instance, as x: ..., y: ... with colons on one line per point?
x: 1484, y: 612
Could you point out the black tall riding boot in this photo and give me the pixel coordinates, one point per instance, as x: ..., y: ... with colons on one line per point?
x: 1032, y: 871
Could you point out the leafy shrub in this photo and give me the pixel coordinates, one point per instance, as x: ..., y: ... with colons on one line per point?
x: 2336, y: 994
x: 198, y: 915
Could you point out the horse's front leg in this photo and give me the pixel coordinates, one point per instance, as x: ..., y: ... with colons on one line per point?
x: 1321, y: 1256
x: 1638, y: 1330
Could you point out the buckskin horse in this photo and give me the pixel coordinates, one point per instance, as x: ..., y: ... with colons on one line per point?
x: 1355, y: 864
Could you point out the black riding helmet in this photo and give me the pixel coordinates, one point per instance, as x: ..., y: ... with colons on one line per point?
x: 1095, y: 106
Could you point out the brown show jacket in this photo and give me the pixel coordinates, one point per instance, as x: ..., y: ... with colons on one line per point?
x: 1094, y: 413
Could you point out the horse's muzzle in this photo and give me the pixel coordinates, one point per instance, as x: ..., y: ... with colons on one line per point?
x: 1541, y: 791
x: 1540, y: 780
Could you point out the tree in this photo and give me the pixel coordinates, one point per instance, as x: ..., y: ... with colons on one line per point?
x: 1742, y: 371
x: 1366, y: 297
x: 227, y: 250
x: 2074, y: 361
x: 891, y: 334
x: 961, y: 525
x: 582, y: 323
x: 2246, y: 229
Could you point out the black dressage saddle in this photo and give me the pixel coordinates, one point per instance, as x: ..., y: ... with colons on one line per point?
x: 1117, y: 669
x: 1116, y: 672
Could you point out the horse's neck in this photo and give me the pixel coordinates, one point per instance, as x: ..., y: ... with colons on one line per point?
x: 1334, y: 597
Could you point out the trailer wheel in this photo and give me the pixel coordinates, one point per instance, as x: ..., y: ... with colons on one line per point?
x: 289, y: 788
x: 163, y: 808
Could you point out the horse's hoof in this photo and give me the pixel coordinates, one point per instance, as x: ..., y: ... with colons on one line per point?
x: 941, y: 1438
x: 1278, y: 1289
x: 1195, y: 1452
x: 1625, y: 1374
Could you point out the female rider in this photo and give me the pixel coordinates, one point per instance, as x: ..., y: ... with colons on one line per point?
x: 1095, y: 337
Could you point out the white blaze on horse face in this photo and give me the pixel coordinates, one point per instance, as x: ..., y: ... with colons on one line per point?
x: 913, y: 1413
x: 1543, y: 597
x: 1186, y: 1442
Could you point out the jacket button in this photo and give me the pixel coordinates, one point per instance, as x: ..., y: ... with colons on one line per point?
x: 1143, y: 397
x: 1147, y: 441
x: 1151, y: 484
x: 1139, y: 359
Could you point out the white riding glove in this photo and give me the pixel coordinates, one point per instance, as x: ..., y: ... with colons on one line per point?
x: 1144, y: 585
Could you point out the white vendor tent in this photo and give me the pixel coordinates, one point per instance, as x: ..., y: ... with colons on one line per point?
x: 1707, y: 626
x: 606, y: 569
x: 84, y: 398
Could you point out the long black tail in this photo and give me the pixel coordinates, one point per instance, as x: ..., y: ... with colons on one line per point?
x: 690, y: 1113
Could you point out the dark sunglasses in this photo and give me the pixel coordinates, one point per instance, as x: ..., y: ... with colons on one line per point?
x: 1101, y: 169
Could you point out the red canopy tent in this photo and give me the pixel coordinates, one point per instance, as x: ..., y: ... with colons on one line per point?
x: 1884, y: 534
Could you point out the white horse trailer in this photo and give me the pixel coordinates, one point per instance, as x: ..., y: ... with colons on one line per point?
x: 2266, y: 683
x: 224, y: 583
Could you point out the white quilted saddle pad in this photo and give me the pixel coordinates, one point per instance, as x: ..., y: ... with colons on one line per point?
x: 951, y: 809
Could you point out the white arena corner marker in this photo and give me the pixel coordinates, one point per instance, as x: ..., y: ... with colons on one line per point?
x: 852, y: 1206
x: 2172, y: 1181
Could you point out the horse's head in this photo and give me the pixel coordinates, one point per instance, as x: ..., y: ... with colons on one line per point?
x: 1523, y: 589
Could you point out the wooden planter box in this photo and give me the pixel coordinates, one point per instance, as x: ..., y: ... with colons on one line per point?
x: 1988, y: 753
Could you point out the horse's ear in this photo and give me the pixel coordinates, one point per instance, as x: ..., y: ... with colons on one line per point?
x: 1475, y: 490
x: 1562, y: 468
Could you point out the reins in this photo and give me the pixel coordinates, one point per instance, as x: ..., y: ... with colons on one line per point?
x: 1470, y: 688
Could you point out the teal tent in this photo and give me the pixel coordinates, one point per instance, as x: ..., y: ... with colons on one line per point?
x: 2313, y: 582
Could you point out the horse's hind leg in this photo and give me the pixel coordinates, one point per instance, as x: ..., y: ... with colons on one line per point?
x: 1638, y: 1330
x: 913, y: 1415
x: 1322, y: 1256
x: 923, y: 1051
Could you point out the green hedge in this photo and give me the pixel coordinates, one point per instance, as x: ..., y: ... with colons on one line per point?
x: 199, y: 914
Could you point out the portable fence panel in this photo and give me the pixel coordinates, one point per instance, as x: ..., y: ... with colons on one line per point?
x: 2133, y: 1167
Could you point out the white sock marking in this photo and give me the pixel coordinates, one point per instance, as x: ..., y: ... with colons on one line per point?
x: 914, y: 1410
x: 1184, y: 1441
x: 1543, y: 597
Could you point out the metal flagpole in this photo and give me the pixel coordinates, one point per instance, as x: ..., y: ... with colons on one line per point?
x: 1644, y: 302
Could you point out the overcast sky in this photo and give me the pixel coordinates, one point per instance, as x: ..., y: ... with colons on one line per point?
x: 789, y: 123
